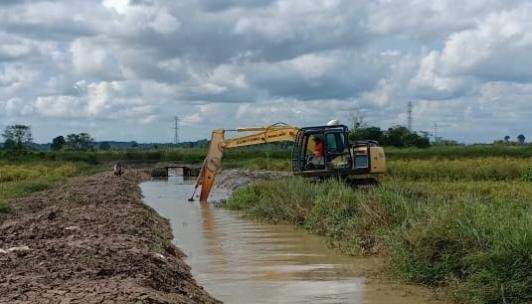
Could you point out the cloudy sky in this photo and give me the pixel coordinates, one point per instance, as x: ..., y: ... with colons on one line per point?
x: 121, y: 69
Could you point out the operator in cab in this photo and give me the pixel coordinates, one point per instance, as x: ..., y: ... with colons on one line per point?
x: 317, y: 159
x: 318, y: 148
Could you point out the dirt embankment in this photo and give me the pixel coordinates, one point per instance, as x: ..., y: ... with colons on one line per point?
x: 91, y: 240
x: 232, y: 179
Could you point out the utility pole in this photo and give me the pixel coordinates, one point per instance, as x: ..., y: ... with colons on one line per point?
x: 176, y: 130
x: 410, y: 115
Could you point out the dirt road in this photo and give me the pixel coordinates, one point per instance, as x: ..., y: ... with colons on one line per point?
x: 91, y: 240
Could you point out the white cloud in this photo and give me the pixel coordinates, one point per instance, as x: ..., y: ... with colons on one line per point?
x: 130, y: 18
x: 15, y: 107
x: 98, y: 96
x: 497, y: 48
x: 118, y: 64
x: 59, y: 106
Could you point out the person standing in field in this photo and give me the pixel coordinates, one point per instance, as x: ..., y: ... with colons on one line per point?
x: 117, y: 170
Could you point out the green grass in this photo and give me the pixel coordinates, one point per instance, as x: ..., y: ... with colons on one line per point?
x: 482, y: 249
x: 191, y: 156
x: 21, y: 179
x: 196, y: 155
x: 465, y: 224
x: 460, y: 152
x: 472, y: 169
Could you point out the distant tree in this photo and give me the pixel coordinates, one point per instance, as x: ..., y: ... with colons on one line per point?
x: 369, y: 133
x: 9, y: 144
x: 81, y: 141
x: 507, y: 138
x: 400, y: 136
x: 447, y: 142
x: 521, y: 138
x: 414, y: 140
x: 58, y: 143
x: 17, y: 136
x: 395, y: 136
x: 425, y: 134
x: 134, y: 144
x: 104, y: 146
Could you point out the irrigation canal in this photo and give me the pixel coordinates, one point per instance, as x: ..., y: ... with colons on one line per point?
x: 242, y: 261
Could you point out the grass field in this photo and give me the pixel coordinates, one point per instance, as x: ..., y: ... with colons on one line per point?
x: 464, y: 223
x: 21, y: 179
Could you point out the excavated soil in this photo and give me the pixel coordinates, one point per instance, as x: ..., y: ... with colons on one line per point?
x: 231, y: 179
x: 92, y: 240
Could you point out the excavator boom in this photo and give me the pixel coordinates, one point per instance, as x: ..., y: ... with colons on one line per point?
x: 213, y: 160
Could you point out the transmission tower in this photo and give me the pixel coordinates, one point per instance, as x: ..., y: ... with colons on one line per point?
x: 436, y: 132
x: 176, y: 130
x: 409, y: 115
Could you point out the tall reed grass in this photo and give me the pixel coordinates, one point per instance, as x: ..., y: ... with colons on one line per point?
x: 472, y: 236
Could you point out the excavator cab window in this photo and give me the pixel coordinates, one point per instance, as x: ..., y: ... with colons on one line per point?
x: 335, y: 157
x: 338, y: 156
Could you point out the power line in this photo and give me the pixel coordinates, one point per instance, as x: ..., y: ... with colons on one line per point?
x: 176, y: 130
x: 410, y: 115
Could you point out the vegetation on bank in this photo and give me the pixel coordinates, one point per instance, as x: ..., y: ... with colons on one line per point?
x: 463, y: 223
x: 261, y: 157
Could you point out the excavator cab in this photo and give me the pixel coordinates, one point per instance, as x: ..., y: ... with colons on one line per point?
x: 340, y: 157
x: 336, y: 158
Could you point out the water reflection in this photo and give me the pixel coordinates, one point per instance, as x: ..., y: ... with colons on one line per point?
x: 214, y: 241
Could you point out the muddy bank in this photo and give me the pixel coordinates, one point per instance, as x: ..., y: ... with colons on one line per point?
x: 232, y: 179
x: 91, y: 240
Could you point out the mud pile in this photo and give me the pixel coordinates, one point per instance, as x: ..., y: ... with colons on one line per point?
x: 232, y: 179
x: 91, y: 240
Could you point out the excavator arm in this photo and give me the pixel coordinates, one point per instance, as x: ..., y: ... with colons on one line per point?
x: 213, y: 161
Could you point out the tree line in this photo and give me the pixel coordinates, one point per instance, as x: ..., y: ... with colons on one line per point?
x: 397, y: 136
x: 19, y: 137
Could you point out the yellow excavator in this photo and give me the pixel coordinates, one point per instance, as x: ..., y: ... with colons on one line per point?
x: 322, y: 151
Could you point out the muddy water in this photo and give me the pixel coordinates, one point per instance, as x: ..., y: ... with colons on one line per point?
x: 240, y: 261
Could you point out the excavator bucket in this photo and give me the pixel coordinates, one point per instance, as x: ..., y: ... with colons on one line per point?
x: 212, y: 163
